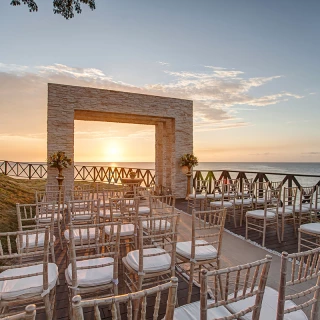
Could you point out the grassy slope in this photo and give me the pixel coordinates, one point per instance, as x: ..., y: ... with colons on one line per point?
x: 14, y: 191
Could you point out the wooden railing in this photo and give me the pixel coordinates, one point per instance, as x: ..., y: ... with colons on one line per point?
x: 114, y: 174
x: 84, y: 173
x: 287, y: 179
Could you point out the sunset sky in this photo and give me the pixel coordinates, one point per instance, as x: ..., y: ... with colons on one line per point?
x: 251, y: 68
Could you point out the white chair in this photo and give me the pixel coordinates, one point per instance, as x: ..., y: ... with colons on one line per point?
x: 160, y: 205
x: 93, y: 266
x: 130, y: 300
x: 204, y: 249
x: 154, y: 261
x: 237, y: 292
x: 198, y: 199
x: 26, y: 275
x: 261, y: 219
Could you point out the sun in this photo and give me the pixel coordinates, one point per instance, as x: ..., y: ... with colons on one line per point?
x: 112, y: 153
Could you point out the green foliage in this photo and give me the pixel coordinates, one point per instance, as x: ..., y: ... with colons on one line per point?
x: 66, y: 8
x: 188, y: 160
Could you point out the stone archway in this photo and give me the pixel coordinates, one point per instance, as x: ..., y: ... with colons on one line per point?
x: 172, y: 118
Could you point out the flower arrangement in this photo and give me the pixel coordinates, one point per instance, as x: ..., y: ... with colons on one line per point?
x: 188, y: 160
x: 59, y: 160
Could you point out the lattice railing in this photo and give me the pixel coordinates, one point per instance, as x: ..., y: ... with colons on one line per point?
x: 83, y: 173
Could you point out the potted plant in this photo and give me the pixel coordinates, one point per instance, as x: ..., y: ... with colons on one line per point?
x: 60, y: 161
x: 187, y: 161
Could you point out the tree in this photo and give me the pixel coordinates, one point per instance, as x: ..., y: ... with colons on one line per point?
x: 66, y: 8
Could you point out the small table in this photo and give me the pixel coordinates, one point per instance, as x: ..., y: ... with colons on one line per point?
x: 135, y: 182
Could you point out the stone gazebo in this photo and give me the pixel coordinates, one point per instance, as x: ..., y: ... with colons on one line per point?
x: 172, y: 118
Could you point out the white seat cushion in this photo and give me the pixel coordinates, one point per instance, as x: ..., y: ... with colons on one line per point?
x: 269, y: 307
x: 127, y: 229
x: 259, y: 200
x: 26, y: 287
x: 202, y: 252
x: 304, y: 208
x: 286, y: 211
x: 239, y: 202
x: 62, y: 206
x: 259, y: 214
x: 214, y: 196
x: 94, y: 276
x: 32, y: 240
x: 191, y: 311
x: 199, y: 196
x: 83, y: 232
x: 82, y: 217
x: 311, y: 227
x: 46, y: 218
x: 107, y: 213
x: 225, y: 204
x: 156, y: 225
x: 79, y: 205
x: 150, y: 264
x: 144, y: 210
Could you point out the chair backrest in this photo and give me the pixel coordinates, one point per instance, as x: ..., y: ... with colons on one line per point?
x: 162, y: 204
x: 97, y: 245
x: 29, y: 313
x: 305, y: 268
x: 57, y: 196
x: 248, y: 189
x: 158, y: 232
x: 272, y: 199
x: 275, y: 184
x: 54, y: 187
x: 237, y: 283
x: 205, y: 225
x: 112, y: 193
x: 127, y: 207
x: 81, y: 193
x: 129, y: 299
x: 35, y: 216
x: 143, y: 193
x: 306, y: 198
x: 23, y: 249
x: 288, y: 198
x: 261, y: 186
x: 201, y: 186
x: 82, y: 211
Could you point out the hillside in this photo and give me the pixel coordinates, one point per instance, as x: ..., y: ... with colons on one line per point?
x: 14, y: 191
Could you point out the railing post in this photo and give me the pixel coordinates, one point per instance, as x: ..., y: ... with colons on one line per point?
x: 29, y: 173
x: 290, y: 190
x: 6, y: 167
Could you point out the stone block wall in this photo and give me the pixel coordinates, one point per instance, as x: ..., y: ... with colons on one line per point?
x: 172, y: 118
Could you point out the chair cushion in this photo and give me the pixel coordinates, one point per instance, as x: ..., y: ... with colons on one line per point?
x: 144, y: 210
x: 225, y: 204
x: 29, y: 286
x: 199, y: 196
x: 202, y: 252
x: 150, y: 264
x: 239, y: 202
x: 259, y: 214
x: 287, y: 211
x: 156, y: 225
x: 106, y: 214
x: 191, y: 311
x: 127, y: 229
x: 214, y: 196
x: 46, y: 218
x: 94, y: 276
x: 82, y: 216
x: 269, y: 307
x: 32, y: 240
x: 259, y: 200
x: 80, y: 205
x: 62, y: 206
x: 311, y: 227
x: 83, y: 232
x: 304, y: 208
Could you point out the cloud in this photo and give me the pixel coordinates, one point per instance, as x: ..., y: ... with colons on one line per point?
x: 217, y: 93
x: 163, y: 63
x: 262, y: 154
x: 312, y: 153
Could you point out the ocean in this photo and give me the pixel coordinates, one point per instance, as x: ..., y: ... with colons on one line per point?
x: 303, y: 168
